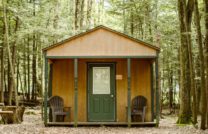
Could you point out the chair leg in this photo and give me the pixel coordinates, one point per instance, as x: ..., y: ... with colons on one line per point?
x: 54, y: 118
x: 143, y: 116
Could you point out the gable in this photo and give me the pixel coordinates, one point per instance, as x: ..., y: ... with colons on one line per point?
x: 101, y: 42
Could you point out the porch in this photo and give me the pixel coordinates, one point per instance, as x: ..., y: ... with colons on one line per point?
x: 68, y: 78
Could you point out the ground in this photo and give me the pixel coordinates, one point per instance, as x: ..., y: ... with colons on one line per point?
x: 33, y: 124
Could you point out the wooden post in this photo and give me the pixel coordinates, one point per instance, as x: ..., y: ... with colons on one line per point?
x: 157, y: 91
x: 50, y: 80
x: 45, y: 93
x: 75, y: 92
x: 50, y: 70
x: 152, y: 92
x: 129, y: 90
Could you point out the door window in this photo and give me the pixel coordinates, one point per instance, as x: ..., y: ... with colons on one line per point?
x: 101, y: 80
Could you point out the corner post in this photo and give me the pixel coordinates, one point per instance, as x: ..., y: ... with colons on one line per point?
x: 157, y: 90
x: 75, y: 92
x: 129, y: 90
x: 152, y: 91
x: 46, y: 91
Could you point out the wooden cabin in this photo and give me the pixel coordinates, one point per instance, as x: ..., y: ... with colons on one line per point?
x: 98, y: 73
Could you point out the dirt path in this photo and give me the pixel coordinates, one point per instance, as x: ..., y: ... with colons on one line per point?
x: 33, y: 125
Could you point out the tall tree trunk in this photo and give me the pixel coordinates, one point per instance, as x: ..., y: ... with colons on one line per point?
x: 170, y: 83
x: 25, y: 69
x: 34, y: 68
x: 201, y: 60
x: 198, y: 85
x: 124, y: 18
x: 89, y: 13
x: 6, y: 41
x: 185, y: 112
x: 82, y: 13
x: 28, y: 68
x: 132, y: 23
x: 77, y: 12
x: 2, y: 74
x: 206, y: 47
x: 188, y: 19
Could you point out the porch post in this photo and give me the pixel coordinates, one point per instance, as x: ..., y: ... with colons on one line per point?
x: 46, y: 93
x: 50, y: 79
x: 129, y: 90
x: 157, y: 90
x: 152, y: 92
x: 75, y: 92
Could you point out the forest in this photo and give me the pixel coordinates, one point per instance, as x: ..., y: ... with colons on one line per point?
x: 178, y: 27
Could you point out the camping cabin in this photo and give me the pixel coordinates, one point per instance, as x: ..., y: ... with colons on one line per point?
x: 101, y: 77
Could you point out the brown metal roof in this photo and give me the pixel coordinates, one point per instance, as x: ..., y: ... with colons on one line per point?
x: 106, y: 28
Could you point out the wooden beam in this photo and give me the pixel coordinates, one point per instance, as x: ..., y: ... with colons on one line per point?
x: 102, y: 123
x: 129, y: 90
x: 152, y: 92
x: 101, y: 57
x: 45, y: 93
x: 157, y: 90
x: 75, y: 92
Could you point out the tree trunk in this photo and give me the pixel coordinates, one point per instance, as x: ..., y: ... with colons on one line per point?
x: 6, y: 41
x: 28, y: 68
x: 89, y: 13
x: 206, y: 47
x: 16, y: 117
x: 82, y: 13
x: 170, y: 83
x: 34, y: 68
x: 132, y: 23
x: 202, y: 73
x: 185, y: 112
x: 25, y: 69
x: 77, y: 12
x: 198, y: 85
x: 2, y: 74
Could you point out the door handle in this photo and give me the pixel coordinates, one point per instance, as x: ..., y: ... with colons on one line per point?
x: 112, y: 95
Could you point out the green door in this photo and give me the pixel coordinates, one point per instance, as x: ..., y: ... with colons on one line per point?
x: 101, y: 92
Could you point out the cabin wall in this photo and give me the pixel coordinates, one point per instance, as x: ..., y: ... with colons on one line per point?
x: 63, y: 84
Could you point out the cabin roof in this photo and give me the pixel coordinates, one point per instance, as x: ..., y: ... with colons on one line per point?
x: 101, y: 27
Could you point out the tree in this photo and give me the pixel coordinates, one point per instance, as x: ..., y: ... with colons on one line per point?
x: 206, y: 49
x: 6, y: 41
x: 185, y: 15
x: 201, y: 60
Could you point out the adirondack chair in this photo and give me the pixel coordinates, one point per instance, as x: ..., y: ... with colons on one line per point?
x: 57, y: 106
x: 139, y: 104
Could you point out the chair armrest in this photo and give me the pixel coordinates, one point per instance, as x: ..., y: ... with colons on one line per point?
x: 67, y: 109
x: 144, y: 109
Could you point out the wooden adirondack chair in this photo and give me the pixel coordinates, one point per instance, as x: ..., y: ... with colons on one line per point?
x: 138, y: 105
x: 57, y: 106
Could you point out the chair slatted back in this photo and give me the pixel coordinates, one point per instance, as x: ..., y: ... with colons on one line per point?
x: 138, y: 103
x: 56, y: 103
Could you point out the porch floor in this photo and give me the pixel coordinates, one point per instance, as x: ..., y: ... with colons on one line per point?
x: 133, y: 124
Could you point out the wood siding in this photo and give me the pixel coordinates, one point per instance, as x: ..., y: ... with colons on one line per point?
x: 101, y: 43
x: 63, y: 84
